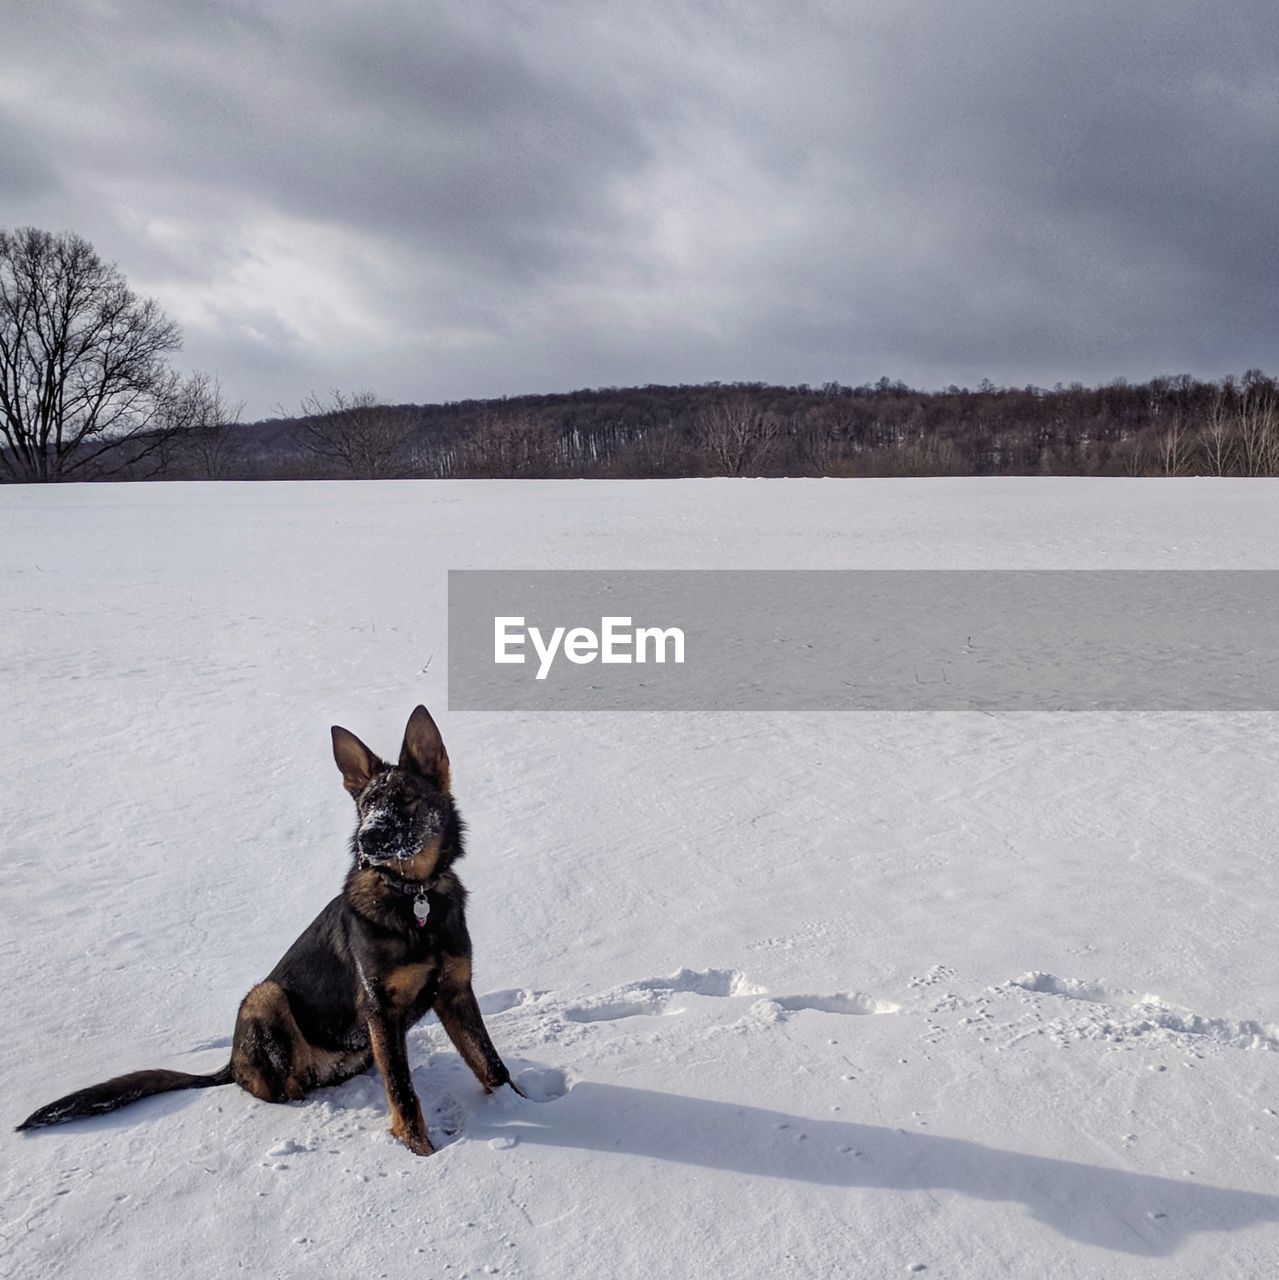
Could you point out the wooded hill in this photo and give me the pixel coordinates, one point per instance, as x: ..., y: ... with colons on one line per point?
x: 1167, y: 426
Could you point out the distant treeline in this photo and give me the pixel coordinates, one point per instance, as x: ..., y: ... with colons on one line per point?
x: 1174, y: 425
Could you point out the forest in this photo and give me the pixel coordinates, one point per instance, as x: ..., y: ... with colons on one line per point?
x: 1175, y: 425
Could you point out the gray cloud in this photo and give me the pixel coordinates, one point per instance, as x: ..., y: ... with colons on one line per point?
x: 440, y: 200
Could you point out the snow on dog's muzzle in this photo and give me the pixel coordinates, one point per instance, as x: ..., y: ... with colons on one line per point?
x: 386, y: 836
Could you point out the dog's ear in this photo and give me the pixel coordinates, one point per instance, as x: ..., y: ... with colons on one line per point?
x: 423, y: 748
x: 357, y: 762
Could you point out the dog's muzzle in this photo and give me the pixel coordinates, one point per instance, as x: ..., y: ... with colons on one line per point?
x: 383, y: 838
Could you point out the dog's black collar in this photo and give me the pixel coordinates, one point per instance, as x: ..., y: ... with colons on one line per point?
x: 419, y: 890
x: 412, y: 888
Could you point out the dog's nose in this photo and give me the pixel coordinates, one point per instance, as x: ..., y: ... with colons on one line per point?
x: 375, y: 822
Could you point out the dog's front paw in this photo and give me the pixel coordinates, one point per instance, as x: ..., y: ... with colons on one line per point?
x: 418, y: 1143
x: 496, y: 1077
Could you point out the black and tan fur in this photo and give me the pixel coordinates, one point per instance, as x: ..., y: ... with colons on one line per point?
x: 364, y: 971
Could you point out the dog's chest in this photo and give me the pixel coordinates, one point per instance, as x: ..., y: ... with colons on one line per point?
x: 411, y: 985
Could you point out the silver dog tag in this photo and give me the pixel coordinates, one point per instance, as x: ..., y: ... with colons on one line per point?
x: 421, y: 909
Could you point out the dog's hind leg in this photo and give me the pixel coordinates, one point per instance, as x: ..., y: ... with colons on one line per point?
x: 268, y: 1051
x: 459, y: 1013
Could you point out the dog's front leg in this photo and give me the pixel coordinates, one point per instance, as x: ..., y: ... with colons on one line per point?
x: 390, y: 1052
x: 459, y: 1014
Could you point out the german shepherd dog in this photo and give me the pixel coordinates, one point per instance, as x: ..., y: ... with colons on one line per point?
x: 391, y: 946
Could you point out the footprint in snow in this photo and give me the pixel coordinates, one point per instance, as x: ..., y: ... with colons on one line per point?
x: 1124, y: 1014
x: 445, y: 1119
x: 650, y: 996
x: 611, y: 1010
x: 848, y: 1002
x: 542, y: 1084
x: 701, y: 982
x: 937, y: 973
x: 495, y: 1002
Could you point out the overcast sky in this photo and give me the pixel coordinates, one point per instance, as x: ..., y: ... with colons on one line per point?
x: 439, y: 201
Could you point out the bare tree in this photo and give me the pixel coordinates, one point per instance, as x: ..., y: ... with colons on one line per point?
x: 1258, y: 431
x: 825, y: 440
x: 508, y: 445
x: 368, y: 438
x: 1217, y: 438
x: 1131, y: 453
x: 1174, y: 448
x: 83, y: 384
x: 209, y: 425
x: 658, y: 451
x: 737, y: 434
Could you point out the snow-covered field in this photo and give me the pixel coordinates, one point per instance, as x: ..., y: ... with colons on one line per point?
x: 795, y: 995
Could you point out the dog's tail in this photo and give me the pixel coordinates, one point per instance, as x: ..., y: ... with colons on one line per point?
x: 119, y: 1092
